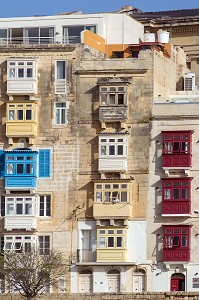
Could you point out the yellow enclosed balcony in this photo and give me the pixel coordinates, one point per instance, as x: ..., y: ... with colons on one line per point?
x: 21, y: 119
x: 111, y: 244
x: 113, y: 199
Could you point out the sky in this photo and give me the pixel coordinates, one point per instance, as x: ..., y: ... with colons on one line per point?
x: 26, y: 8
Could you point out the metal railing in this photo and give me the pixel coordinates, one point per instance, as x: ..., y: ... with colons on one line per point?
x: 40, y: 40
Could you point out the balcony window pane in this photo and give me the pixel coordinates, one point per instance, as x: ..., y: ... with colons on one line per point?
x: 102, y: 242
x: 28, y: 114
x: 123, y: 196
x: 10, y: 169
x: 176, y: 240
x: 110, y: 241
x: 185, y: 147
x: 111, y: 150
x: 112, y: 99
x: 184, y: 241
x: 20, y: 73
x: 28, y: 208
x: 176, y: 147
x: 74, y: 34
x: 167, y: 194
x: 32, y: 35
x: 20, y: 158
x: 29, y: 73
x: 10, y: 209
x: 19, y: 114
x: 168, y: 241
x: 120, y: 150
x: 98, y: 196
x: 107, y: 197
x: 103, y: 99
x: 8, y: 246
x: 29, y: 169
x: 19, y: 168
x: 27, y: 247
x: 11, y: 115
x: 167, y: 147
x: 91, y: 28
x: 103, y: 150
x: 176, y: 194
x: 184, y: 194
x: 119, y: 241
x: 19, y: 208
x: 120, y: 99
x: 12, y: 73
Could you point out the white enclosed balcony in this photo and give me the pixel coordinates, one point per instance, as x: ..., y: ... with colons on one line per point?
x: 113, y: 152
x: 18, y: 222
x: 21, y: 77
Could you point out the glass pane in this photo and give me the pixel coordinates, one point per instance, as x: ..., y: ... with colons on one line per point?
x: 10, y: 169
x: 10, y: 209
x: 91, y: 28
x: 27, y: 247
x: 102, y: 242
x: 107, y: 197
x: 98, y: 196
x: 167, y: 194
x: 184, y: 241
x: 19, y: 114
x: 48, y: 206
x: 28, y: 208
x: 11, y: 115
x: 12, y: 73
x: 103, y: 150
x: 176, y: 194
x: 167, y: 147
x: 20, y: 73
x: 123, y: 196
x: 29, y: 73
x: 74, y: 34
x: 19, y: 208
x: 63, y: 116
x: 28, y: 114
x: 61, y: 69
x: 112, y: 99
x: 120, y: 99
x: 176, y: 240
x: 110, y: 231
x: 184, y: 194
x: 111, y: 150
x: 103, y: 99
x: 176, y: 147
x: 168, y: 241
x: 19, y: 168
x: 185, y: 147
x: 120, y: 149
x: 119, y: 241
x: 110, y: 241
x: 29, y: 169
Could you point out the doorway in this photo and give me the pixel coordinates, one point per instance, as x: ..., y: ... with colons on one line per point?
x: 178, y: 282
x: 113, y: 277
x: 85, y: 281
x: 139, y: 281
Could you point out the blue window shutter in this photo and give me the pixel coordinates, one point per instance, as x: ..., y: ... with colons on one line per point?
x: 2, y: 163
x: 44, y: 163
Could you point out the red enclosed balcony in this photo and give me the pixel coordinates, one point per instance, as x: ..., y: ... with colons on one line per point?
x: 176, y: 243
x: 176, y: 150
x: 176, y: 196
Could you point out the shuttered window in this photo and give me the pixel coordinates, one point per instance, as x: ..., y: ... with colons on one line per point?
x: 44, y: 163
x: 2, y: 164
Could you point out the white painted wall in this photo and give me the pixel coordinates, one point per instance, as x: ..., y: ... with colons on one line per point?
x: 136, y: 241
x: 87, y: 225
x: 122, y: 29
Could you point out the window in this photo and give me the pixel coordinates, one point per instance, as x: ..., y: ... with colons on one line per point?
x: 113, y: 95
x: 36, y: 35
x: 112, y: 192
x: 21, y: 69
x: 45, y: 206
x: 2, y: 213
x: 19, y: 164
x: 176, y: 189
x: 61, y: 69
x: 72, y: 34
x: 176, y: 237
x: 176, y: 142
x: 111, y: 238
x: 44, y: 163
x: 44, y: 245
x: 19, y: 243
x: 112, y: 146
x: 60, y: 113
x: 21, y: 112
x: 20, y: 206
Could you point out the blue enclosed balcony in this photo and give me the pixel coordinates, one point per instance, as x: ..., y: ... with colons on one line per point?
x: 20, y: 169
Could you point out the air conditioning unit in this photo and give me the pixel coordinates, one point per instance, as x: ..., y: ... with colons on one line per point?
x: 189, y: 82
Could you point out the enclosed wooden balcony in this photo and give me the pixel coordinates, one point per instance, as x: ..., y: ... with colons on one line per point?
x: 111, y: 255
x: 111, y: 210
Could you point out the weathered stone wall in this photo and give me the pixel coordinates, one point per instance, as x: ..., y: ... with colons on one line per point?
x: 126, y: 296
